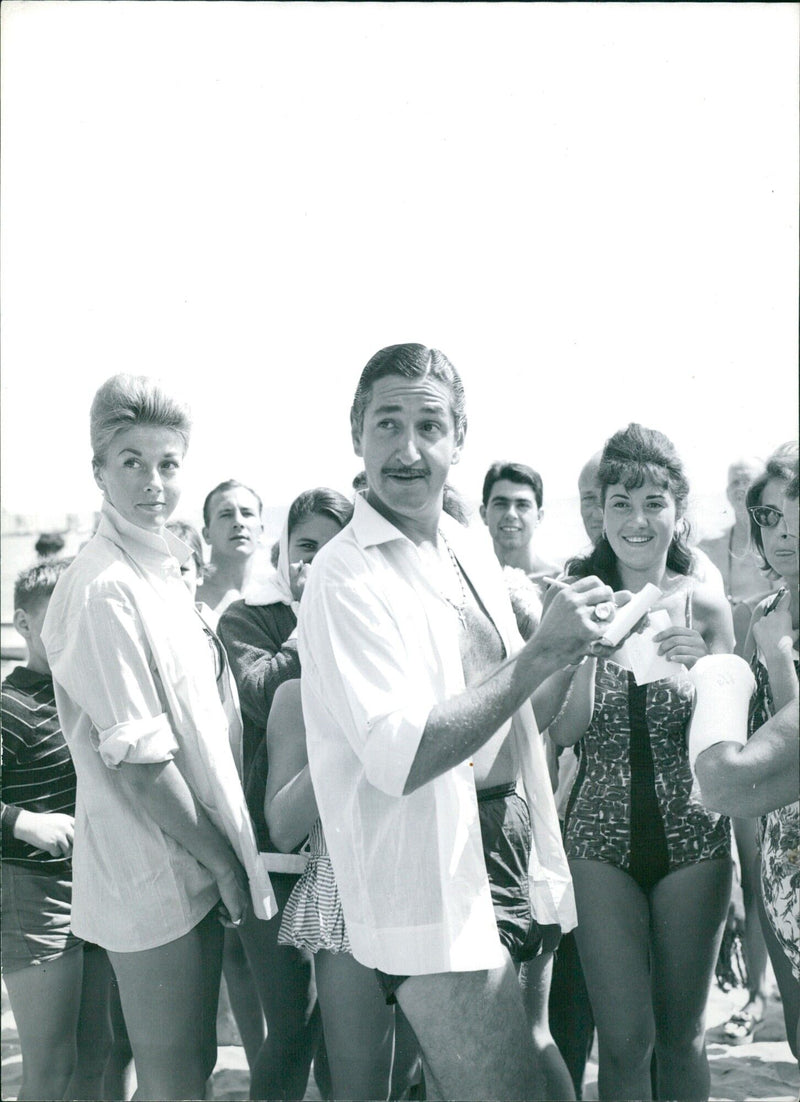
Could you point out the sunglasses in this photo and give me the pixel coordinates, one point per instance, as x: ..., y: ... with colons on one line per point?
x: 765, y: 516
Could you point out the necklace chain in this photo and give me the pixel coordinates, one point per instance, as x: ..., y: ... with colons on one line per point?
x: 460, y: 606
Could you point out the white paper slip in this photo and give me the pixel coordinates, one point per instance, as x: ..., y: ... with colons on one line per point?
x: 640, y: 654
x: 629, y: 615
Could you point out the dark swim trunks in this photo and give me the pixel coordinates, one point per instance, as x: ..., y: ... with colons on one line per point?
x: 506, y: 835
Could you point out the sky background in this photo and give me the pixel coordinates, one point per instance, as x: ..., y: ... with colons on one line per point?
x: 592, y: 209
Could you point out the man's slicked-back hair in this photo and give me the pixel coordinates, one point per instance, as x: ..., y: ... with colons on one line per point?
x: 410, y: 361
x: 126, y: 401
x: 513, y: 472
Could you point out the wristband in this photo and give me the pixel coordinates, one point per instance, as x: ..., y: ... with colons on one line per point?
x: 723, y: 685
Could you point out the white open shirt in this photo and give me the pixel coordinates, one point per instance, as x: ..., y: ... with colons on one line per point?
x: 379, y: 648
x: 134, y: 681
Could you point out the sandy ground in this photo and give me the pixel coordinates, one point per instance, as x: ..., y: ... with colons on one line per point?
x: 763, y: 1069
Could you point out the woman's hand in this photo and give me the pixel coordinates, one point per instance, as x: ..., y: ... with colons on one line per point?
x: 298, y: 576
x: 773, y: 630
x: 235, y: 894
x: 681, y: 644
x: 51, y: 831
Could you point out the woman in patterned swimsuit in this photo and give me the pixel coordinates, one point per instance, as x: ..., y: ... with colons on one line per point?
x: 772, y: 501
x: 651, y: 868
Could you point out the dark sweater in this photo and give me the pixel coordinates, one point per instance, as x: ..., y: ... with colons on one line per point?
x: 256, y: 639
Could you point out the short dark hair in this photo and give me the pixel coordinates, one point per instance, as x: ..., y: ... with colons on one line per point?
x: 228, y: 484
x: 513, y: 472
x: 411, y: 361
x: 782, y: 465
x: 49, y: 543
x: 629, y: 457
x: 321, y: 501
x: 37, y: 583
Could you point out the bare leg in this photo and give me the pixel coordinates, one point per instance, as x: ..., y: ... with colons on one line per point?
x: 243, y: 996
x: 119, y: 1081
x: 755, y: 950
x: 407, y: 1062
x: 688, y: 909
x: 534, y: 978
x: 169, y: 999
x: 613, y: 937
x: 359, y: 1026
x: 284, y: 980
x: 570, y: 1012
x: 95, y: 1035
x: 45, y: 1001
x: 473, y: 1033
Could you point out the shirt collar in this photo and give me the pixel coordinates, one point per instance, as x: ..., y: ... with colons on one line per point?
x: 371, y: 529
x: 147, y: 548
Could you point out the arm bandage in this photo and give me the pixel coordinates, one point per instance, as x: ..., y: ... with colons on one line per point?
x: 723, y: 685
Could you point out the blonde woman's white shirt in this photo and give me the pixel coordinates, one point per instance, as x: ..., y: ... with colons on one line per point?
x: 134, y: 682
x: 379, y: 647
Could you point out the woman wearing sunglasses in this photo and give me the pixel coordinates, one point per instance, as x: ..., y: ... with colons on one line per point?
x: 772, y: 505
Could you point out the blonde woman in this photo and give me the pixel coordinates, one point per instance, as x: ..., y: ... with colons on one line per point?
x: 162, y: 834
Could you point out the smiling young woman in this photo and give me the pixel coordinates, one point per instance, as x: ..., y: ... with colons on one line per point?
x: 651, y: 868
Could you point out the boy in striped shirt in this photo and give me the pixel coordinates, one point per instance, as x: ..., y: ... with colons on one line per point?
x: 43, y: 962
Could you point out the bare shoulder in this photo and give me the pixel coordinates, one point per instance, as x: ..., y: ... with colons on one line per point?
x: 708, y: 600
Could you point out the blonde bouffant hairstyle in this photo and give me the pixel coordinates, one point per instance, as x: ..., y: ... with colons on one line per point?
x: 124, y: 401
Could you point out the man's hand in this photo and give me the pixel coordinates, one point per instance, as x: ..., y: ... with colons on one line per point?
x: 570, y: 628
x: 50, y: 831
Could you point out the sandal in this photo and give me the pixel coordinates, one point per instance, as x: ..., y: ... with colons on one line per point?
x: 740, y: 1028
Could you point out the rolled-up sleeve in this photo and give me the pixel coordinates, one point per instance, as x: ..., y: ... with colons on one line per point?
x: 356, y: 661
x: 105, y: 668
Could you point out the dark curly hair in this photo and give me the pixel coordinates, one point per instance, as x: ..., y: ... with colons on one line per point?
x: 629, y: 457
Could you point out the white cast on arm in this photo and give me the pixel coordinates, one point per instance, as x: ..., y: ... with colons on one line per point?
x: 723, y: 685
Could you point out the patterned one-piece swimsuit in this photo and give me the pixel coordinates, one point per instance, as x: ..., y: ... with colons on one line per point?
x: 779, y: 840
x: 631, y: 804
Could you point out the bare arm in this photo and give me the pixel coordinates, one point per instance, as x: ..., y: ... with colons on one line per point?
x: 549, y: 698
x: 758, y: 777
x: 774, y: 636
x: 290, y: 806
x: 460, y: 726
x: 573, y: 721
x: 160, y: 789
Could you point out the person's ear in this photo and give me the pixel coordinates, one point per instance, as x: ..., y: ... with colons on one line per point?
x: 21, y: 623
x: 205, y: 535
x: 356, y: 432
x: 482, y: 512
x: 97, y: 471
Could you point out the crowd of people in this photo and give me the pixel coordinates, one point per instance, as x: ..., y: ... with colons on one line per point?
x: 439, y: 809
